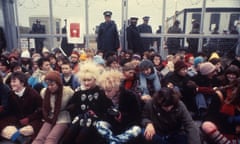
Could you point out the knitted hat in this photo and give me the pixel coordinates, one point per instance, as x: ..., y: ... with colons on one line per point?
x: 198, y: 60
x: 54, y: 76
x: 145, y: 64
x: 213, y: 55
x: 128, y: 66
x: 179, y: 65
x: 83, y: 57
x: 75, y: 53
x: 25, y: 54
x: 45, y: 50
x: 206, y: 68
x: 136, y: 56
x: 99, y: 60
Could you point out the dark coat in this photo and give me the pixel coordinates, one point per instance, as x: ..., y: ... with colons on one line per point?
x: 3, y: 42
x: 28, y: 106
x: 193, y: 42
x: 188, y: 93
x: 4, y: 96
x: 177, y: 120
x: 134, y: 40
x: 173, y: 43
x: 85, y: 100
x: 129, y: 107
x: 67, y: 48
x: 108, y: 39
x: 146, y: 42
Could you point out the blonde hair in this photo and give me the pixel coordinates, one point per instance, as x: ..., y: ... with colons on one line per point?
x: 88, y: 70
x: 110, y: 79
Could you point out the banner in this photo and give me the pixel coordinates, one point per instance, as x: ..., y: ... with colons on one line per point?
x: 75, y: 30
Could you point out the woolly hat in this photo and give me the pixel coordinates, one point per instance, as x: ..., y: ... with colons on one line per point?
x: 83, y: 57
x: 99, y: 60
x: 198, y: 60
x: 136, y: 56
x: 128, y: 66
x: 187, y: 56
x: 25, y: 54
x: 213, y: 55
x: 45, y: 50
x: 54, y: 76
x: 179, y: 65
x: 206, y: 68
x: 75, y: 53
x: 145, y: 64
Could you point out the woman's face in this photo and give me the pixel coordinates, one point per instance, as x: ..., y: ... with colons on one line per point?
x: 156, y: 60
x: 111, y: 92
x: 129, y: 74
x: 147, y: 71
x: 52, y: 86
x: 89, y: 83
x: 16, y: 85
x: 231, y: 77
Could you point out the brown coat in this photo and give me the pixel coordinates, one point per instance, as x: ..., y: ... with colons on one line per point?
x: 28, y: 106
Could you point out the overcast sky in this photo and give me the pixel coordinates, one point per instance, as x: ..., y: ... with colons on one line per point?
x: 139, y: 8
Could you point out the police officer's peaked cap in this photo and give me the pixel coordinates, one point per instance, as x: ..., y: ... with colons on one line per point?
x: 107, y: 13
x: 146, y: 18
x: 133, y: 19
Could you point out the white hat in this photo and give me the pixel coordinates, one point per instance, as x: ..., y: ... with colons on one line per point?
x: 25, y: 54
x: 45, y: 50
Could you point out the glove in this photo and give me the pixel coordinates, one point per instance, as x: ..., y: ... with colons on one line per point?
x: 24, y: 121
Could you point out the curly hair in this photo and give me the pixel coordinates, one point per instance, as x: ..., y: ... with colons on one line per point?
x: 88, y: 70
x: 110, y: 79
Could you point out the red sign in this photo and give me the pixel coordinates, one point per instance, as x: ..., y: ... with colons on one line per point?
x: 75, y: 30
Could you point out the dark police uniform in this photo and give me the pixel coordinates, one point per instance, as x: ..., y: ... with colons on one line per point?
x: 145, y: 28
x: 133, y: 37
x: 108, y: 39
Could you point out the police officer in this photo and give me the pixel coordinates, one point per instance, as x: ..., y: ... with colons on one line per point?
x: 108, y: 39
x: 173, y: 44
x: 133, y: 37
x: 145, y: 28
x: 38, y: 28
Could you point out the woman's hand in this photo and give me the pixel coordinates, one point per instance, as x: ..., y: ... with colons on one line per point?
x: 149, y: 131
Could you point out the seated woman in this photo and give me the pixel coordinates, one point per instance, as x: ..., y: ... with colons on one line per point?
x: 87, y: 105
x: 56, y: 117
x: 121, y: 123
x: 223, y: 118
x: 24, y: 116
x: 166, y: 120
x: 149, y: 79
